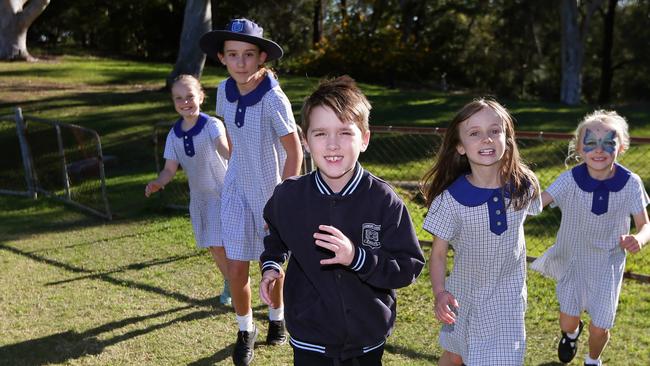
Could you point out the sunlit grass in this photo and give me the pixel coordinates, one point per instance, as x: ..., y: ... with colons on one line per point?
x: 77, y: 290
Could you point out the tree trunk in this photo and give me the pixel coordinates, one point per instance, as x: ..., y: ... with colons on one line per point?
x: 606, y: 69
x: 343, y: 6
x: 407, y: 8
x: 377, y: 12
x: 196, y: 21
x: 318, y: 22
x: 15, y: 19
x: 573, y: 39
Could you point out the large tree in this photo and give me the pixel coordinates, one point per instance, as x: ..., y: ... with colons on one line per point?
x: 196, y: 21
x: 575, y: 28
x: 317, y: 22
x: 15, y: 18
x: 606, y: 68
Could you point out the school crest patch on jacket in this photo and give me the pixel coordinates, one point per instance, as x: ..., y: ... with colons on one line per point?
x: 370, y: 235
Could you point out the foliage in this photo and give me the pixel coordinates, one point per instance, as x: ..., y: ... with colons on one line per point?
x: 365, y: 56
x: 453, y: 45
x: 501, y: 47
x: 631, y: 54
x: 145, y: 29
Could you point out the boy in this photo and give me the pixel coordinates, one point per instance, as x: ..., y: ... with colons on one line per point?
x: 350, y: 236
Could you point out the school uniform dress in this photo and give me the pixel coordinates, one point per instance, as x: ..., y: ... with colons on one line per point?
x: 195, y: 150
x: 489, y: 274
x: 586, y: 259
x: 255, y: 123
x: 337, y: 311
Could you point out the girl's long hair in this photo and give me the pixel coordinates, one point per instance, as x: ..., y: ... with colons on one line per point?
x: 449, y: 164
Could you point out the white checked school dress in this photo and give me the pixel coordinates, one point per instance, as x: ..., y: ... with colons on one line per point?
x: 586, y: 259
x: 255, y: 123
x: 489, y: 274
x: 196, y: 152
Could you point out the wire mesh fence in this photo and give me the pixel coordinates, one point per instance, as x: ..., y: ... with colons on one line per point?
x: 401, y: 155
x: 58, y: 160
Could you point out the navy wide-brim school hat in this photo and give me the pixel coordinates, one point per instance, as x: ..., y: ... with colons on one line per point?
x: 239, y: 30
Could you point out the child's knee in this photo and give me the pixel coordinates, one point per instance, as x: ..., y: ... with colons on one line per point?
x: 598, y: 332
x: 218, y: 251
x: 237, y: 273
x: 453, y: 358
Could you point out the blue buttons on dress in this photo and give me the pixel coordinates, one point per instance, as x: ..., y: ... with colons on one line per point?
x: 470, y: 196
x: 497, y: 212
x: 600, y: 200
x: 253, y: 97
x: 600, y: 188
x: 188, y: 136
x: 239, y: 116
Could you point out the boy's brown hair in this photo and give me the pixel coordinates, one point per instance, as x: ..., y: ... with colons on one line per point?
x: 343, y: 97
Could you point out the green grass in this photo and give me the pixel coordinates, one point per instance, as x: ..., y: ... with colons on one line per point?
x: 75, y: 290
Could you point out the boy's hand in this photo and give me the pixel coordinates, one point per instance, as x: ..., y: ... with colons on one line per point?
x: 630, y: 243
x: 152, y: 187
x: 444, y: 303
x: 335, y: 242
x: 266, y: 285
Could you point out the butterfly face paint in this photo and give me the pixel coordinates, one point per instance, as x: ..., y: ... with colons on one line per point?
x: 607, y: 143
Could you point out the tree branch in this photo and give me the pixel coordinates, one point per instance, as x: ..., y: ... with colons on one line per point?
x: 34, y: 8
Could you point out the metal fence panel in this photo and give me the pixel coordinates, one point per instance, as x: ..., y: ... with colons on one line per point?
x: 60, y: 160
x: 13, y: 179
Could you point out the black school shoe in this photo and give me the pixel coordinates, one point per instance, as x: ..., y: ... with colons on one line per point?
x: 568, y: 347
x: 243, y: 353
x: 277, y: 334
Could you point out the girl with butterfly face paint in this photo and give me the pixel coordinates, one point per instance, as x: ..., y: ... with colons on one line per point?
x: 599, y: 149
x: 597, y: 198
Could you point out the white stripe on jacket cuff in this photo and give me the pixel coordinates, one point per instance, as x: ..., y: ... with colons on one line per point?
x: 361, y: 259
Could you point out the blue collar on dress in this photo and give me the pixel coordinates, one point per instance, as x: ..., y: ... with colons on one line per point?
x: 349, y: 187
x: 188, y: 136
x: 252, y: 98
x: 600, y: 188
x: 471, y: 196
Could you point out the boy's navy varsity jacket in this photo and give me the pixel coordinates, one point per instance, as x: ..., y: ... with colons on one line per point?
x: 340, y: 311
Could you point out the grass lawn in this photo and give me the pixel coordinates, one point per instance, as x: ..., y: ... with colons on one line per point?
x: 75, y: 290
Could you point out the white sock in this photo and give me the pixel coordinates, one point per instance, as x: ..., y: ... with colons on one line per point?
x: 276, y: 314
x: 575, y: 334
x: 591, y: 361
x: 245, y: 322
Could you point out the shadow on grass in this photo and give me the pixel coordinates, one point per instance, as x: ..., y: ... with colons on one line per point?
x: 106, y: 277
x: 130, y: 267
x: 414, y: 355
x: 70, y: 345
x: 22, y: 216
x: 214, y: 359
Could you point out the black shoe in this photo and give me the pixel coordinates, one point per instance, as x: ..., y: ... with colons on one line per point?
x: 277, y: 334
x: 567, y: 348
x: 243, y: 353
